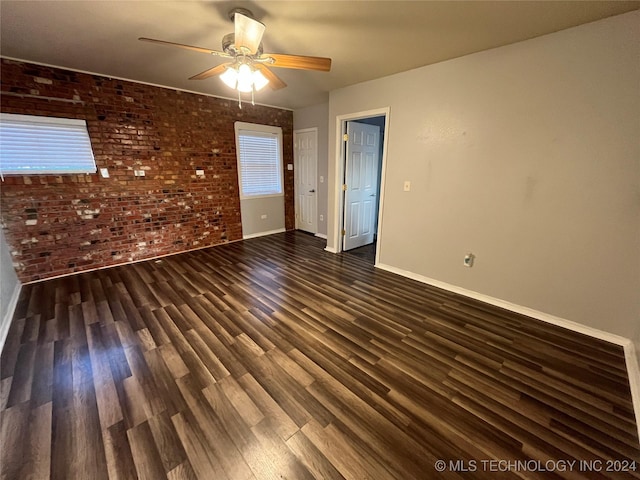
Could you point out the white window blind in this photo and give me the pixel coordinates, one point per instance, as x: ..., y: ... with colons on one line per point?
x: 33, y: 145
x: 259, y: 160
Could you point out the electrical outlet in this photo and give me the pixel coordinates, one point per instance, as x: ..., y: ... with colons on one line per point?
x: 263, y: 217
x: 322, y: 218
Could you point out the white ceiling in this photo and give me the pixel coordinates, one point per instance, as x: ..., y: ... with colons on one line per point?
x: 366, y: 39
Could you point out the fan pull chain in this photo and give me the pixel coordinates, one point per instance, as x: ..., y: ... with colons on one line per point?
x: 239, y: 100
x: 253, y: 89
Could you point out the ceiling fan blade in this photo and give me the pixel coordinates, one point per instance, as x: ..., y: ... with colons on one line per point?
x: 187, y: 47
x: 248, y: 33
x: 275, y: 82
x: 217, y: 70
x: 301, y: 62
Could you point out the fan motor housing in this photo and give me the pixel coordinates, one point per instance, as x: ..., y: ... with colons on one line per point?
x: 229, y: 46
x: 241, y: 11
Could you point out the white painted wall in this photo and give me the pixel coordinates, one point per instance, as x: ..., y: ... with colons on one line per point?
x: 317, y: 116
x: 252, y: 211
x: 526, y: 155
x: 9, y: 289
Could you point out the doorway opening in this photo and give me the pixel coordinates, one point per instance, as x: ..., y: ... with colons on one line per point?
x: 361, y: 176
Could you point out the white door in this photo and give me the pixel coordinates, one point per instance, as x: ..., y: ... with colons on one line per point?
x: 361, y: 175
x: 305, y: 151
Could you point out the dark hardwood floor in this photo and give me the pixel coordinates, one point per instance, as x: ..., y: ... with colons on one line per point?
x: 270, y: 358
x: 367, y: 253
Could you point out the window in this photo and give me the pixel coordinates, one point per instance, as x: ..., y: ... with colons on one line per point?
x: 259, y: 150
x: 32, y: 145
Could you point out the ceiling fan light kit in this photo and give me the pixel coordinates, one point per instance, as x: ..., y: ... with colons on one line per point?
x: 244, y: 78
x: 249, y: 70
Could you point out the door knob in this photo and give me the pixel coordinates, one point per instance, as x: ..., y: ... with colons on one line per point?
x: 312, y: 191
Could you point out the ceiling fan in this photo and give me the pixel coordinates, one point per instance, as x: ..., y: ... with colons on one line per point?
x: 249, y: 68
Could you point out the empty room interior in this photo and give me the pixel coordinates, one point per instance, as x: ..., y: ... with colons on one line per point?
x: 319, y: 240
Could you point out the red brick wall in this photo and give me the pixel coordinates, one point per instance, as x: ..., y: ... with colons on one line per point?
x: 62, y: 224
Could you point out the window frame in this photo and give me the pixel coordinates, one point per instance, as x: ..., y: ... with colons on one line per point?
x: 262, y: 129
x: 75, y: 131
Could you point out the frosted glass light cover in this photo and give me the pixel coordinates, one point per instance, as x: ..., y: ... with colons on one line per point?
x: 245, y: 78
x: 230, y: 77
x: 259, y: 80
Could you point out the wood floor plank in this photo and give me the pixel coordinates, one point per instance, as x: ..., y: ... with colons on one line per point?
x: 184, y: 471
x: 220, y: 439
x: 14, y: 425
x: 62, y: 400
x: 374, y: 434
x: 146, y: 457
x: 339, y: 451
x: 61, y: 318
x: 155, y: 329
x: 150, y: 390
x: 271, y: 358
x: 312, y: 458
x: 283, y: 424
x: 201, y: 458
x: 135, y: 406
x: 5, y: 388
x: 173, y: 361
x: 241, y: 401
x: 106, y: 394
x: 138, y: 288
x: 11, y: 347
x: 213, y: 364
x: 88, y: 455
x: 186, y: 351
x: 164, y: 383
x: 284, y: 462
x: 146, y: 340
x: 31, y: 329
x: 23, y: 375
x: 37, y: 453
x: 379, y: 403
x: 120, y: 463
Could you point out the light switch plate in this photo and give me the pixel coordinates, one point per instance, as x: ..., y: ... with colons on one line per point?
x: 104, y: 172
x: 289, y: 166
x: 407, y: 186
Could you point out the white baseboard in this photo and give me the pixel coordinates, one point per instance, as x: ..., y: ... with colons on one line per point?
x: 8, y: 316
x: 631, y: 359
x: 330, y: 250
x: 262, y: 234
x: 530, y: 312
x: 321, y: 235
x: 633, y: 370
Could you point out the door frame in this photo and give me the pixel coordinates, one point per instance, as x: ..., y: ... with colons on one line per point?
x: 295, y: 175
x: 341, y: 125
